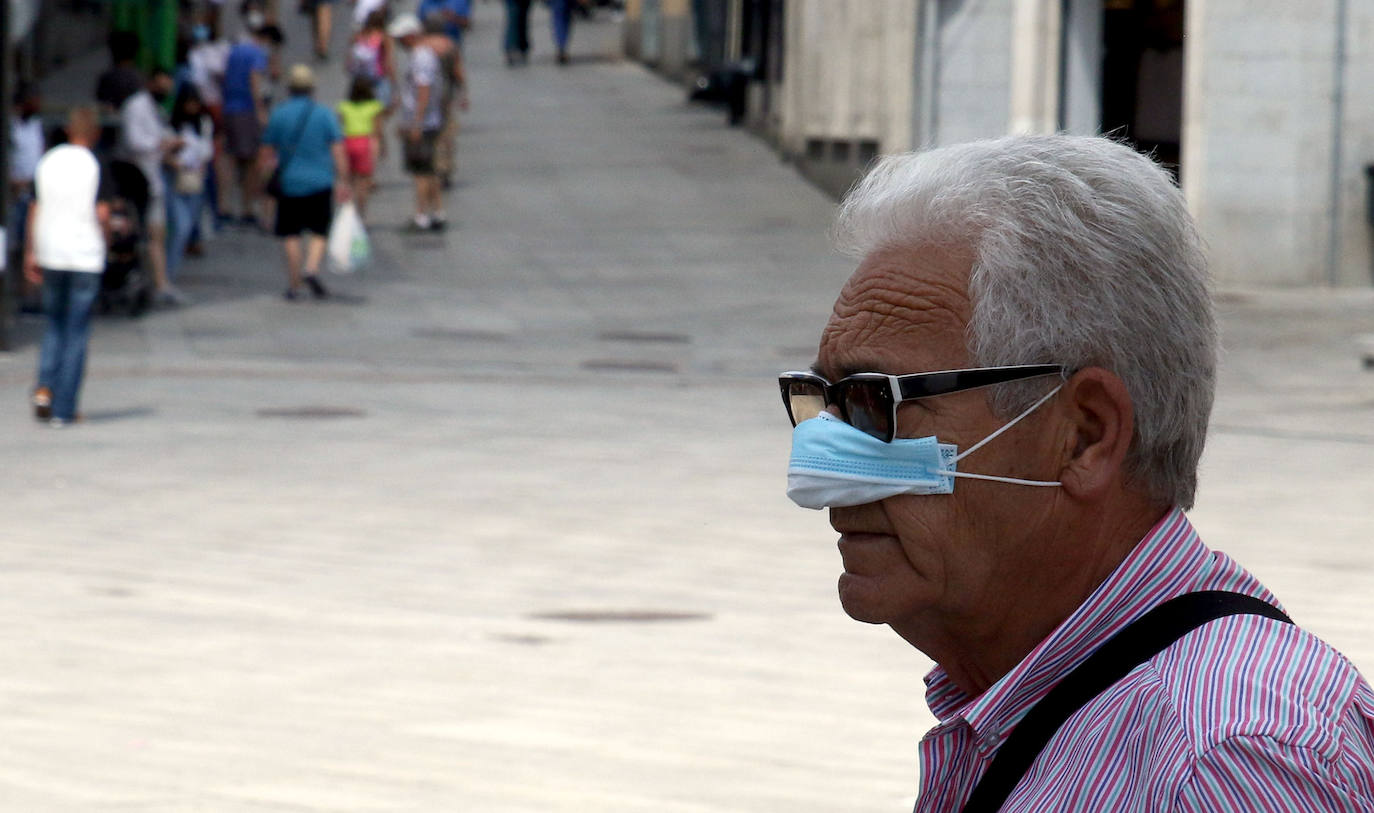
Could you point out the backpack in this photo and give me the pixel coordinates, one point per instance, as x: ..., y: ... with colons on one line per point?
x: 365, y: 57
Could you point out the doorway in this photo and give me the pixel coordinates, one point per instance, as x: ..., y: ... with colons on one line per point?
x: 1122, y: 73
x: 1142, y: 75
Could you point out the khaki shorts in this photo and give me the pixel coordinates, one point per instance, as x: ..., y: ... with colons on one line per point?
x: 156, y: 213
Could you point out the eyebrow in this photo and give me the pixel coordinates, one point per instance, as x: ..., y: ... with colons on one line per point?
x: 846, y: 370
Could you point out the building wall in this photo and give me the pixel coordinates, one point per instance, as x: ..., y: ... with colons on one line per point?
x: 1357, y: 243
x: 1274, y: 144
x: 658, y: 33
x: 973, y: 71
x: 858, y: 73
x: 1260, y: 139
x: 849, y: 86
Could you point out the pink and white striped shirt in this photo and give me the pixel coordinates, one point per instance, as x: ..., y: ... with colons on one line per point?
x: 1242, y: 714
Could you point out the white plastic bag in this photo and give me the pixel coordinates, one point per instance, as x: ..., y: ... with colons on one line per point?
x: 349, y: 248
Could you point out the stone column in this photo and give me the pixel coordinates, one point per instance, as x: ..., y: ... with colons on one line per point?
x: 1037, y: 27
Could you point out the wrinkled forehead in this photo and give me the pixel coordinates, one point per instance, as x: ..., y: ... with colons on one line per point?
x: 903, y: 310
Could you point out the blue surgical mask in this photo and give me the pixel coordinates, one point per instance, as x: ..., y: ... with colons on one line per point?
x: 835, y: 465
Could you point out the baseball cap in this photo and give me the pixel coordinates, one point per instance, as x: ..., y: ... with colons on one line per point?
x: 404, y: 25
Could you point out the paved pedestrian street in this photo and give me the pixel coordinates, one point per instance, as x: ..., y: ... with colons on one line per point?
x: 501, y: 526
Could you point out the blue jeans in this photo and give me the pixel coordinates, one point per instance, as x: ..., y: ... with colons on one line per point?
x: 183, y: 215
x: 561, y: 10
x: 211, y: 200
x: 68, y: 297
x: 19, y: 219
x: 517, y: 26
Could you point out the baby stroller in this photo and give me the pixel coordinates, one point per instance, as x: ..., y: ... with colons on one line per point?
x: 124, y: 285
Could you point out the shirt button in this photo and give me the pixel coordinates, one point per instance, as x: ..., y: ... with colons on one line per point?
x: 990, y: 738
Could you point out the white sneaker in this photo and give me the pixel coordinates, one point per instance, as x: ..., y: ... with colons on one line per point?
x: 420, y: 223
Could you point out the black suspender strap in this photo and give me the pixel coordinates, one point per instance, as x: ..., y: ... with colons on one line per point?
x: 1139, y: 641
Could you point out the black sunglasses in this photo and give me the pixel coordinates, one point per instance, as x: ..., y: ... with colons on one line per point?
x: 868, y: 401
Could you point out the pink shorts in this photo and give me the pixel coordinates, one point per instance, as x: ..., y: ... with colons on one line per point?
x: 359, y: 150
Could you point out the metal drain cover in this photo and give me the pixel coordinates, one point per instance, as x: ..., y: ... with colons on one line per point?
x: 195, y: 333
x: 633, y: 366
x: 312, y: 412
x: 523, y: 640
x: 643, y: 337
x: 459, y: 334
x: 620, y: 616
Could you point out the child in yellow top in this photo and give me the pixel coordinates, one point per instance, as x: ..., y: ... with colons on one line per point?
x: 361, y: 116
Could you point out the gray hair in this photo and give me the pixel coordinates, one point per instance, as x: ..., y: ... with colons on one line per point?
x: 1084, y: 255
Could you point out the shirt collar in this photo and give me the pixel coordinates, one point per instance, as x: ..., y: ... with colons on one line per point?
x: 1165, y: 564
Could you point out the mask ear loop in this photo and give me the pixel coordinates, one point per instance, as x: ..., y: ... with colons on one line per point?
x: 975, y: 447
x: 980, y: 444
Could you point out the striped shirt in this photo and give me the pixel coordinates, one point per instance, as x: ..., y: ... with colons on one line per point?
x: 1242, y: 714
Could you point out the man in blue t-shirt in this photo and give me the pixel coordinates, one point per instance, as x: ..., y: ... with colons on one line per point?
x: 305, y: 141
x: 454, y: 14
x: 246, y: 72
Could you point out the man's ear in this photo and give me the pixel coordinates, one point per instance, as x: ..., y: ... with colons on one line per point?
x: 1102, y: 423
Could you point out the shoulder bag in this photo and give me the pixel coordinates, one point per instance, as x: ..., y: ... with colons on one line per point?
x: 274, y: 187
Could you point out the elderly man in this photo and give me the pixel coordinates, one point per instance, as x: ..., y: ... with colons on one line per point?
x: 1005, y: 420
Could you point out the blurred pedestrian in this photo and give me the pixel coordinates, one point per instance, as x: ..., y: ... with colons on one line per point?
x: 517, y: 36
x: 261, y: 16
x: 27, y: 144
x: 208, y: 58
x: 27, y: 141
x: 65, y: 253
x: 188, y: 167
x: 321, y: 13
x: 363, y: 9
x: 213, y: 11
x: 258, y: 13
x: 304, y: 141
x: 362, y: 115
x: 452, y: 16
x: 244, y: 87
x: 123, y: 78
x: 370, y: 56
x: 421, y: 119
x: 560, y: 12
x: 453, y: 98
x: 145, y: 141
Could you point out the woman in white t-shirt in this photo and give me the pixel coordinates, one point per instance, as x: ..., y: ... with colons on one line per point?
x: 185, y: 178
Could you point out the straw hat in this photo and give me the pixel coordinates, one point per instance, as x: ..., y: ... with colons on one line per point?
x: 300, y: 77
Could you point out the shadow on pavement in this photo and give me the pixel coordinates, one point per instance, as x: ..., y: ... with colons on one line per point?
x: 112, y: 415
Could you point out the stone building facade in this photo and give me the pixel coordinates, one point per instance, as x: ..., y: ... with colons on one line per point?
x: 1264, y: 108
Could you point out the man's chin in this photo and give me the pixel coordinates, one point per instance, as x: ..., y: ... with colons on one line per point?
x: 858, y: 601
